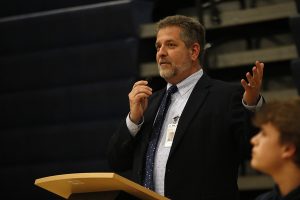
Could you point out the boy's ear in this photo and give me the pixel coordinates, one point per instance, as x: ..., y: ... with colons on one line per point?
x: 289, y: 150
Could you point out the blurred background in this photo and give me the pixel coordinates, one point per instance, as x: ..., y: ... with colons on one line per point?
x: 67, y: 66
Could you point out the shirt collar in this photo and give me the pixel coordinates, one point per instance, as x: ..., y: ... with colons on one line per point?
x: 188, y: 83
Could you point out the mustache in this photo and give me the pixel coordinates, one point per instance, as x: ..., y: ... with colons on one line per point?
x: 164, y: 61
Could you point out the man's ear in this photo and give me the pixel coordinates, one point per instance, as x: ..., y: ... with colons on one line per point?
x: 195, y: 51
x: 289, y: 151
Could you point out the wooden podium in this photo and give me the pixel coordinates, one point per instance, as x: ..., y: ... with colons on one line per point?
x: 95, y: 186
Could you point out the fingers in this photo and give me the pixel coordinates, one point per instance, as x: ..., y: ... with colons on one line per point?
x: 139, y: 83
x: 141, y: 87
x: 253, y: 84
x: 251, y: 80
x: 244, y: 84
x: 140, y: 90
x: 142, y: 82
x: 257, y: 71
x: 138, y: 100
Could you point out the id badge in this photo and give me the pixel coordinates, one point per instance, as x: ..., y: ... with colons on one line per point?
x: 170, y: 134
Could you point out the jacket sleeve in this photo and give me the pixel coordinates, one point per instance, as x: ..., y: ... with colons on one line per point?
x: 120, y: 150
x: 241, y: 124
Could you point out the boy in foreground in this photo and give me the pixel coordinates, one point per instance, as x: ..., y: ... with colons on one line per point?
x: 276, y: 148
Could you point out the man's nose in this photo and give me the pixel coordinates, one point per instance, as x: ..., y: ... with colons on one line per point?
x: 161, y: 51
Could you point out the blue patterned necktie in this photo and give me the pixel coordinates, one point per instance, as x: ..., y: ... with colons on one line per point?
x: 149, y: 163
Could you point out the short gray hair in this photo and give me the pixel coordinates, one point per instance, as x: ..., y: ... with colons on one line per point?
x: 192, y: 30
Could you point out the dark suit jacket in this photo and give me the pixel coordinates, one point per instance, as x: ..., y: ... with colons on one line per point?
x: 211, y: 136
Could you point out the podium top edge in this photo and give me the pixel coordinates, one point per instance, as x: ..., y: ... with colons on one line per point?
x: 75, y: 176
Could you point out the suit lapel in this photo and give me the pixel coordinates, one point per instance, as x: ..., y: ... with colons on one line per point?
x: 192, y: 106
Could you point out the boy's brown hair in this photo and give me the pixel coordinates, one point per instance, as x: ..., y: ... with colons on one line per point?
x: 285, y: 117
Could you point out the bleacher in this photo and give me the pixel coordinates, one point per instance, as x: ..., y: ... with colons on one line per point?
x: 65, y: 75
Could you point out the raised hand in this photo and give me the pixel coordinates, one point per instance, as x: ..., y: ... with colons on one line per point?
x: 253, y: 84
